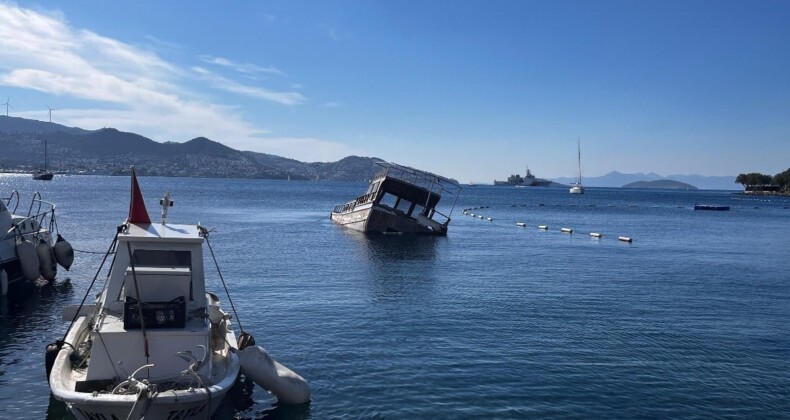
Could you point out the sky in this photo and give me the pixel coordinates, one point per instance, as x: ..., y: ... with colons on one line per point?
x: 474, y: 90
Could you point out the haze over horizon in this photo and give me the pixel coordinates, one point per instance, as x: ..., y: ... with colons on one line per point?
x: 469, y: 89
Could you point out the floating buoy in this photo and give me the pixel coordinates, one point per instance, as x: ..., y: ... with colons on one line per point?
x: 625, y: 239
x: 521, y: 224
x: 566, y: 230
x: 28, y: 259
x: 480, y: 216
x: 472, y: 214
x: 3, y: 283
x: 595, y: 234
x: 283, y: 383
x: 47, y: 265
x: 543, y: 227
x: 541, y: 205
x: 489, y: 219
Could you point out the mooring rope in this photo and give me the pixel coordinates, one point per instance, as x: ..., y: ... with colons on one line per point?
x: 204, y: 233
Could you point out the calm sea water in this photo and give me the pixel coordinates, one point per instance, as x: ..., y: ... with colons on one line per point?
x: 692, y: 319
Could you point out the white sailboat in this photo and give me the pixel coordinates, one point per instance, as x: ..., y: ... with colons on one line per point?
x: 577, y: 187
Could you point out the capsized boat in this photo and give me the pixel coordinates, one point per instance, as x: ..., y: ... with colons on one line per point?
x: 28, y: 252
x: 154, y: 343
x: 399, y: 199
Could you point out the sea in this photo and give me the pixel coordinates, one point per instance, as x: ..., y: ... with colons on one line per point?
x: 691, y: 319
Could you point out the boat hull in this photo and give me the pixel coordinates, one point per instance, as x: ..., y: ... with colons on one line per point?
x: 378, y: 219
x: 195, y: 403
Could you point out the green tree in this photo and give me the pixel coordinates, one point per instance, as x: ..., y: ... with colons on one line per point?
x: 753, y: 178
x: 783, y: 179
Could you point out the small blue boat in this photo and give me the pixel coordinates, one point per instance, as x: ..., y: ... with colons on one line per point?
x: 711, y: 207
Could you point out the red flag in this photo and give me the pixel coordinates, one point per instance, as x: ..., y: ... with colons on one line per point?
x: 137, y: 211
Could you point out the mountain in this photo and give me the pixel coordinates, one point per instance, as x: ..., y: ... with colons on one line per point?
x: 110, y: 151
x: 664, y: 184
x: 616, y: 179
x: 16, y: 124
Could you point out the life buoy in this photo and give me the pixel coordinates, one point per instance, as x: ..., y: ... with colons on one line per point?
x: 46, y: 260
x: 28, y: 259
x: 64, y: 253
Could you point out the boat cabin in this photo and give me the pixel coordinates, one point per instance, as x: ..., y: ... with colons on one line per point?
x: 153, y: 306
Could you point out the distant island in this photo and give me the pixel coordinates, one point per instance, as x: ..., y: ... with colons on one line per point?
x: 663, y: 184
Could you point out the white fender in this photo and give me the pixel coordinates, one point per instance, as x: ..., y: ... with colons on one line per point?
x: 64, y: 253
x: 46, y: 260
x: 283, y: 383
x: 3, y: 283
x: 28, y: 259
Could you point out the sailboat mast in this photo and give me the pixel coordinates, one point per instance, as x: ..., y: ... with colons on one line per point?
x: 579, y: 148
x: 46, y: 163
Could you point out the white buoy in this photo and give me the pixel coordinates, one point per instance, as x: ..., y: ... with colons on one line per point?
x: 64, y: 253
x: 47, y: 265
x: 521, y: 224
x: 3, y: 283
x: 543, y: 227
x: 28, y: 259
x: 490, y: 219
x: 625, y: 239
x: 472, y: 214
x: 283, y: 383
x: 480, y: 216
x: 566, y: 230
x: 595, y: 235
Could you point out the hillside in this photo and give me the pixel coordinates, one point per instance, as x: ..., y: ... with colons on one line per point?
x: 110, y: 151
x: 663, y: 184
x: 616, y: 179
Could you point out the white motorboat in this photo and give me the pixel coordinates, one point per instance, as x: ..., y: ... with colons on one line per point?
x: 577, y: 187
x: 28, y: 252
x: 154, y: 343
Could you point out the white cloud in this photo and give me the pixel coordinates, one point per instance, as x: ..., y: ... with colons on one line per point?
x: 136, y: 90
x: 223, y: 83
x: 245, y: 68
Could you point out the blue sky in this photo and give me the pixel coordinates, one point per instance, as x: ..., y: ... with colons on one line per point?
x: 474, y: 90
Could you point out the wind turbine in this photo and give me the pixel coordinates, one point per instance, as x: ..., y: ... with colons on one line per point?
x: 7, y: 105
x: 50, y: 112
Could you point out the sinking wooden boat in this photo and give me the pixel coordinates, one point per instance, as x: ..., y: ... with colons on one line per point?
x: 399, y: 199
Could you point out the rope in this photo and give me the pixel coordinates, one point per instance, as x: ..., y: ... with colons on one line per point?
x: 92, y: 252
x: 139, y: 302
x: 77, y: 313
x: 205, y: 235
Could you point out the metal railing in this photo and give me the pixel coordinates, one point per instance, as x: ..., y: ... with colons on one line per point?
x: 43, y: 216
x: 351, y: 205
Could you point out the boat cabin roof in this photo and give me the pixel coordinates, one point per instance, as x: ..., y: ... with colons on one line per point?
x: 159, y: 232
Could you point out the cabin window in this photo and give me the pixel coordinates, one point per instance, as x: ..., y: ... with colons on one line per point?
x: 162, y: 258
x: 388, y: 200
x: 418, y: 210
x: 373, y: 187
x: 403, y: 205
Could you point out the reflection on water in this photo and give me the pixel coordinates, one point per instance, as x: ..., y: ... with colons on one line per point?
x: 399, y: 267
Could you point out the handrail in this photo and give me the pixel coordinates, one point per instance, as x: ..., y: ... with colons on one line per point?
x: 11, y: 197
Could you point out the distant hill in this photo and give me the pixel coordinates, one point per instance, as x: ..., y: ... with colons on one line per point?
x: 616, y: 179
x: 110, y: 151
x: 664, y: 184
